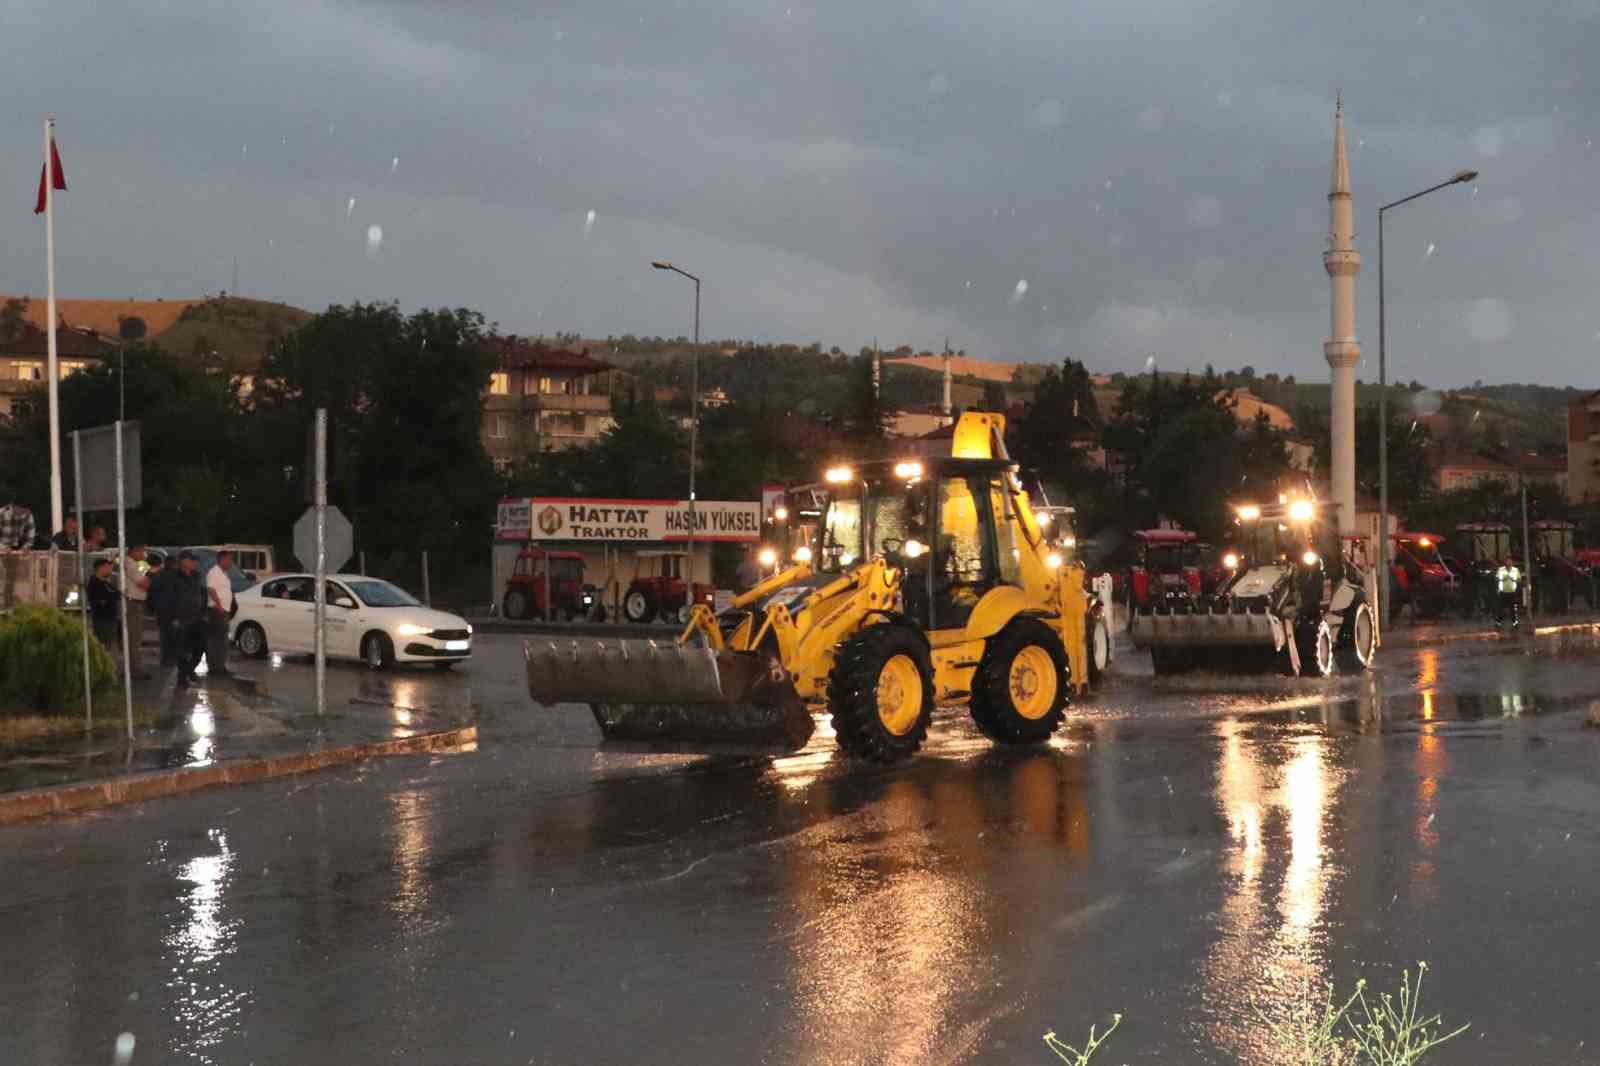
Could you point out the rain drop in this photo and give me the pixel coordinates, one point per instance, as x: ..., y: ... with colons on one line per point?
x: 394, y: 165
x: 244, y: 150
x: 374, y: 238
x: 124, y: 1049
x: 588, y: 222
x: 1020, y: 291
x: 350, y: 208
x: 1429, y: 252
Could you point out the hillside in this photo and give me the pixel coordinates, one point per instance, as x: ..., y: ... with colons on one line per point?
x: 239, y: 330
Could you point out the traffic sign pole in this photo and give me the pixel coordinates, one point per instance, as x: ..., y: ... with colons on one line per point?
x: 320, y: 597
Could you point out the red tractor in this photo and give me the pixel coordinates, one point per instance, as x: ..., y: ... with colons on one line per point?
x: 1419, y: 576
x: 659, y: 592
x: 1167, y: 575
x: 547, y: 584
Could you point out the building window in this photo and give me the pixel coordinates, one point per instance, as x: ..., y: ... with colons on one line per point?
x: 499, y: 427
x: 67, y: 366
x: 30, y: 371
x: 500, y: 383
x: 561, y: 424
x: 502, y: 466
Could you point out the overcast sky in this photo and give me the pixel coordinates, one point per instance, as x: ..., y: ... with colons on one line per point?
x: 1115, y: 179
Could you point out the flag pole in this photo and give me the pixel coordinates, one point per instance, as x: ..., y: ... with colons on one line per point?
x: 50, y: 325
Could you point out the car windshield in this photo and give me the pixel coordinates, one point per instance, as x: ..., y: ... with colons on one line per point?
x: 382, y: 594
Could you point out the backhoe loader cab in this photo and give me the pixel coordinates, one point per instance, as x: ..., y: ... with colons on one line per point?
x: 930, y: 581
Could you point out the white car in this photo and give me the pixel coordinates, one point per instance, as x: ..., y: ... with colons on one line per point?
x: 367, y: 619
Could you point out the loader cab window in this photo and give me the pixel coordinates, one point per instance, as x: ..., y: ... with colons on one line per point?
x: 1008, y: 546
x: 946, y: 583
x: 841, y: 535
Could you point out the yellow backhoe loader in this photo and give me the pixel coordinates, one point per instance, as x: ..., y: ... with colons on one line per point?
x: 931, y: 582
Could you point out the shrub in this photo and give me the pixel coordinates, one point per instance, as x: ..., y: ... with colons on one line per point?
x: 41, y: 662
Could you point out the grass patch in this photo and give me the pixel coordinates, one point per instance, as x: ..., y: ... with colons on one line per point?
x: 21, y: 729
x: 1386, y: 1029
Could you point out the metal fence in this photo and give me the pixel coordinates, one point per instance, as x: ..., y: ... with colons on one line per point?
x: 48, y: 577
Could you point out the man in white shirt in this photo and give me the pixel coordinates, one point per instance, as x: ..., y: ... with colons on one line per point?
x: 219, y: 608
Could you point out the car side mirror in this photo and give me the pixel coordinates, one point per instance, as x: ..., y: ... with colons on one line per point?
x: 346, y: 602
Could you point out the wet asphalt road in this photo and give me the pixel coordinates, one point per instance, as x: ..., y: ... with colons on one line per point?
x: 1186, y: 850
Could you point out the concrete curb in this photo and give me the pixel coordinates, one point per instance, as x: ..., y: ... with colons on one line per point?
x: 135, y: 788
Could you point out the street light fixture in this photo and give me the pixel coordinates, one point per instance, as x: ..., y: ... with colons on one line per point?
x: 1460, y: 177
x: 694, y: 412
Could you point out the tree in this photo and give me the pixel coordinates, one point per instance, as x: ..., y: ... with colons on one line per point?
x: 404, y: 398
x: 193, y: 454
x: 13, y: 316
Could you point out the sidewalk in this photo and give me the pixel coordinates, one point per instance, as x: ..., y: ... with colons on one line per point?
x: 259, y: 724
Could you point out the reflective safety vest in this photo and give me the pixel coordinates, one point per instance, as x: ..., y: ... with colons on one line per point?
x: 1507, y: 578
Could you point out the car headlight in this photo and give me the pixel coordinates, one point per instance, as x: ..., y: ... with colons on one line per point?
x: 406, y: 629
x: 469, y: 629
x: 1309, y: 558
x: 1231, y: 561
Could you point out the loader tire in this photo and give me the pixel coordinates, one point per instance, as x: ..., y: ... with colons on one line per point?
x: 1357, y: 655
x: 880, y: 693
x: 1097, y: 648
x: 1315, y: 646
x: 1020, y: 689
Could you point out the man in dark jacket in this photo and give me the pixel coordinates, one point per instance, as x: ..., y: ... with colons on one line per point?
x: 160, y: 595
x: 188, y: 617
x: 103, y: 605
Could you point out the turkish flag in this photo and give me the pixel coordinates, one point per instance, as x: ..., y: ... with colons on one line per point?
x: 60, y: 178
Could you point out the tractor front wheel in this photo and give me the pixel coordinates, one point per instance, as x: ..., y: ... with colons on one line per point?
x: 1315, y: 645
x: 1358, y: 654
x: 880, y: 693
x: 640, y: 604
x: 1098, y: 649
x: 1020, y: 689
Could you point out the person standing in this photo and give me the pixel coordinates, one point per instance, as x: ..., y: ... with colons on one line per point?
x: 17, y: 533
x: 188, y: 607
x: 96, y: 540
x: 17, y: 529
x: 161, y: 598
x: 748, y: 576
x: 1508, y: 583
x: 66, y: 538
x: 103, y: 604
x: 137, y: 589
x: 219, y: 609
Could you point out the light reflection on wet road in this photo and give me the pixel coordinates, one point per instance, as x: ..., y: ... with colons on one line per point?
x: 1186, y: 850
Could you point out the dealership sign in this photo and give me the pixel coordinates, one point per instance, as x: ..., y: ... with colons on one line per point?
x: 558, y: 519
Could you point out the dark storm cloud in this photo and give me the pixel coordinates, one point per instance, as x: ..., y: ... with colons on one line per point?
x: 1155, y: 172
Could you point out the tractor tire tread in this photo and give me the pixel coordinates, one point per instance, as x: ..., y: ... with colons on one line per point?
x: 992, y: 710
x: 853, y: 693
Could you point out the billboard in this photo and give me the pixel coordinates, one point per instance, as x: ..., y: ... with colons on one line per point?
x: 582, y: 519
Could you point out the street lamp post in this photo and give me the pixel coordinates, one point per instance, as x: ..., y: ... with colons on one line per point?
x: 694, y: 415
x: 1383, y: 399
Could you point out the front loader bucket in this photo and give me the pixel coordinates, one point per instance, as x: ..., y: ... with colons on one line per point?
x: 673, y: 697
x: 1202, y: 630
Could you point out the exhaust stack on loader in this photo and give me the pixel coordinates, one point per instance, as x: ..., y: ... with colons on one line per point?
x: 931, y: 580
